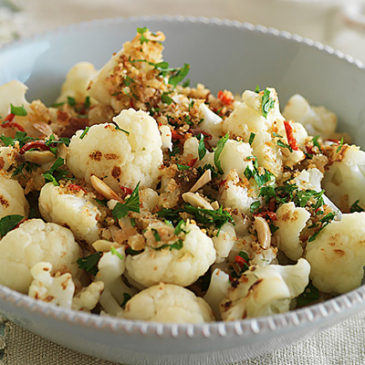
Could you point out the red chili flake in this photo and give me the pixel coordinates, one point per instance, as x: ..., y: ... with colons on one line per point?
x: 225, y: 97
x: 267, y: 214
x: 240, y: 260
x: 75, y: 187
x: 333, y: 140
x: 290, y: 135
x: 41, y: 145
x: 192, y: 162
x: 9, y: 117
x: 175, y: 135
x: 222, y: 182
x: 13, y: 125
x: 126, y: 191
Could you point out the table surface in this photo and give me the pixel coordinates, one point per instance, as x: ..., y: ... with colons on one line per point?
x: 341, y: 344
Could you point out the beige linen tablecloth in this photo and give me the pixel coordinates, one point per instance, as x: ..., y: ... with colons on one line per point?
x: 342, y: 344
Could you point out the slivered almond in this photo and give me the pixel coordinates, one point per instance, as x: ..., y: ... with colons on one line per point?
x: 102, y: 188
x: 196, y: 200
x: 203, y: 180
x: 263, y: 232
x: 39, y: 157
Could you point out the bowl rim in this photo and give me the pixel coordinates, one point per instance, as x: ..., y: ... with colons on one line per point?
x: 244, y: 328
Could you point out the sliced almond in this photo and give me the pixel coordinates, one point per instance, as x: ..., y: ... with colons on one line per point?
x: 105, y: 190
x: 196, y: 200
x: 104, y: 245
x: 39, y: 157
x: 203, y: 180
x: 215, y: 205
x: 263, y: 232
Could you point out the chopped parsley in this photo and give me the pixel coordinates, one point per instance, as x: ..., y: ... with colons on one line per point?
x: 186, y: 83
x: 182, y: 167
x: 338, y: 149
x: 179, y: 75
x: 217, y: 152
x: 252, y: 137
x: 206, y: 167
x: 101, y: 202
x: 156, y: 235
x: 71, y: 101
x: 130, y: 251
x: 257, y: 89
x: 90, y: 263
x: 18, y: 110
x: 52, y: 142
x: 316, y: 143
x: 8, y: 223
x: 267, y: 103
x: 54, y: 174
x: 284, y: 145
x: 254, y: 207
x: 84, y: 133
x: 21, y: 137
x: 356, y: 207
x: 142, y: 37
x: 131, y: 204
x: 116, y: 253
x: 120, y: 129
x: 201, y: 149
x: 126, y: 297
x: 178, y: 228
x: 261, y: 179
x: 178, y: 245
x: 326, y: 220
x: 165, y: 98
x: 87, y: 102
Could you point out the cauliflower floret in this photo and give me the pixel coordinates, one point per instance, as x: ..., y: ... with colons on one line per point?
x: 247, y: 118
x: 217, y: 291
x: 166, y: 137
x: 131, y: 155
x: 88, y: 297
x: 71, y: 210
x: 35, y: 241
x: 224, y: 242
x: 148, y: 198
x: 234, y: 156
x: 344, y: 180
x: 309, y: 179
x: 168, y: 304
x: 212, y: 123
x: 12, y: 198
x: 180, y: 266
x: 337, y: 255
x: 266, y: 290
x: 110, y: 270
x: 12, y: 92
x: 77, y: 81
x: 56, y: 289
x: 8, y: 157
x: 290, y: 221
x: 316, y: 120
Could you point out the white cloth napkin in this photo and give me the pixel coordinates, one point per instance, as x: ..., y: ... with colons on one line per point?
x: 342, y: 344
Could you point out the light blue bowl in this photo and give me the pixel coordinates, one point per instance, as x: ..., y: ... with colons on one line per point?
x: 222, y: 54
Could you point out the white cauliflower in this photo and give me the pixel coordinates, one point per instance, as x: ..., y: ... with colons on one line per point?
x: 77, y: 81
x: 217, y: 291
x: 179, y: 265
x: 56, y: 289
x: 309, y: 179
x: 290, y: 220
x: 12, y: 92
x: 166, y: 137
x: 88, y: 297
x: 344, y: 180
x: 8, y: 157
x: 317, y: 120
x: 131, y: 155
x: 211, y: 123
x: 111, y: 268
x: 12, y: 198
x: 224, y: 242
x: 71, y: 209
x: 168, y: 304
x: 265, y: 291
x: 337, y: 255
x: 247, y: 118
x: 35, y: 241
x: 234, y: 156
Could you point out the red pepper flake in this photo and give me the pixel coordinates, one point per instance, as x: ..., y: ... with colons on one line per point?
x: 240, y: 260
x: 192, y: 162
x: 267, y: 214
x: 222, y: 182
x: 290, y: 135
x: 9, y: 117
x: 13, y: 125
x: 333, y: 140
x: 225, y: 97
x: 41, y: 145
x: 175, y: 135
x: 126, y: 190
x: 75, y: 187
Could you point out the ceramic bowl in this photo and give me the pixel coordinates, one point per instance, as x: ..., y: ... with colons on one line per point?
x: 222, y: 54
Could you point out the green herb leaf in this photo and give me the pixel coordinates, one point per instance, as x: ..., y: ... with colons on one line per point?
x: 101, y: 202
x: 178, y: 228
x: 186, y: 83
x: 182, y: 167
x: 126, y: 297
x: 87, y: 102
x: 254, y: 207
x: 206, y: 167
x: 18, y: 110
x: 131, y: 204
x: 310, y: 295
x: 165, y: 98
x: 218, y: 150
x: 252, y: 137
x: 8, y: 223
x: 142, y: 38
x: 178, y: 245
x: 201, y: 149
x: 179, y: 75
x: 326, y: 220
x: 340, y: 146
x: 257, y: 89
x: 267, y: 103
x: 130, y: 251
x: 284, y: 145
x: 356, y: 207
x: 156, y: 235
x: 54, y: 174
x: 116, y: 253
x: 84, y: 133
x: 71, y: 101
x: 120, y: 129
x: 90, y: 263
x: 316, y: 143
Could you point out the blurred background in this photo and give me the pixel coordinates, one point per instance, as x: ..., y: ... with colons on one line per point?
x: 338, y: 23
